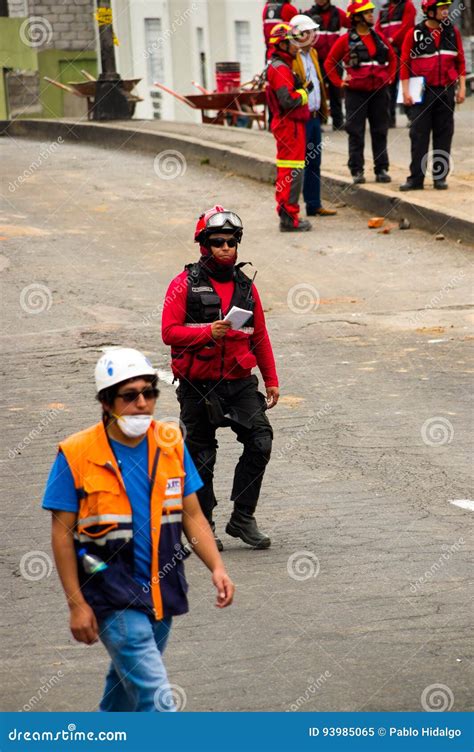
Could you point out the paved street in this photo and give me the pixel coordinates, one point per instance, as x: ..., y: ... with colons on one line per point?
x: 362, y: 602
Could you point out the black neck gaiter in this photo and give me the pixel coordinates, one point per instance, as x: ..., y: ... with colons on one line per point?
x: 220, y: 272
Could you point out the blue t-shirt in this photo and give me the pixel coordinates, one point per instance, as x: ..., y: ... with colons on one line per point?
x: 61, y: 494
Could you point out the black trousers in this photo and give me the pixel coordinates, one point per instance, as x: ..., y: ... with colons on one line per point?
x: 335, y: 99
x: 242, y: 409
x: 435, y: 115
x: 374, y: 107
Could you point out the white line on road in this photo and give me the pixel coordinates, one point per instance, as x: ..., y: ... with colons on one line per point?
x: 463, y: 503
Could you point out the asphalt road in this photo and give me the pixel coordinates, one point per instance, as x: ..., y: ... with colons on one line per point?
x: 362, y: 602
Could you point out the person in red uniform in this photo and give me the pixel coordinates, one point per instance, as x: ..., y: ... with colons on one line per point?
x: 273, y: 13
x: 433, y: 50
x: 330, y: 21
x: 395, y: 20
x: 214, y: 363
x: 370, y: 64
x: 288, y: 103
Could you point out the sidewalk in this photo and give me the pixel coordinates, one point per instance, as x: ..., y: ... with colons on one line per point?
x: 251, y: 153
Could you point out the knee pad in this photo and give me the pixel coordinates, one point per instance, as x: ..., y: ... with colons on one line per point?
x: 262, y: 444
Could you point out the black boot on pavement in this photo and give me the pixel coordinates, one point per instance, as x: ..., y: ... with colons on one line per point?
x: 287, y: 224
x: 411, y: 186
x: 219, y: 544
x: 383, y: 177
x: 244, y: 526
x: 358, y: 178
x: 440, y: 185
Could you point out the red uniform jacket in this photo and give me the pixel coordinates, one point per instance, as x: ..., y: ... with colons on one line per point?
x: 395, y: 21
x: 330, y: 21
x: 370, y: 75
x: 225, y: 362
x: 438, y: 57
x: 282, y: 83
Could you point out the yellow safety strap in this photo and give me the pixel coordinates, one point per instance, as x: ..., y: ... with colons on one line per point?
x: 297, y: 164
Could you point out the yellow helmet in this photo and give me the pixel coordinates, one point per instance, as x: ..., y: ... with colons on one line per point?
x: 280, y: 32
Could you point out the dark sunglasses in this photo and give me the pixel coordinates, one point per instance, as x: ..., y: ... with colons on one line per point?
x: 220, y: 242
x: 132, y: 395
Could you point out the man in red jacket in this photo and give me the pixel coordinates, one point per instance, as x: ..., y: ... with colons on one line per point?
x: 330, y: 21
x: 213, y: 363
x: 396, y: 19
x: 273, y: 13
x: 288, y: 103
x: 370, y: 64
x: 433, y: 50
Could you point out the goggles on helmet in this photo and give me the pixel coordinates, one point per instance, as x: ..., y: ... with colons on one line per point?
x: 224, y: 220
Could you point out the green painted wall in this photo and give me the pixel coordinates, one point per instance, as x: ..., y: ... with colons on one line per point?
x: 14, y: 53
x: 63, y: 66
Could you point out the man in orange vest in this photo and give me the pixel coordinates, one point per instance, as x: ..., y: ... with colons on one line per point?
x: 121, y: 493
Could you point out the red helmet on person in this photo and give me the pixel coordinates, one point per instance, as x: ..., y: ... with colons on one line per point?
x: 427, y: 5
x: 280, y: 32
x: 216, y: 219
x: 359, y: 6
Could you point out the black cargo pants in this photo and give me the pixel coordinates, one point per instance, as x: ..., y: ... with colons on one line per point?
x: 236, y: 404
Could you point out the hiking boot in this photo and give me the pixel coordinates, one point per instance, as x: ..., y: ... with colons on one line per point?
x: 244, y: 526
x: 383, y: 177
x: 358, y: 178
x: 287, y: 224
x: 411, y: 186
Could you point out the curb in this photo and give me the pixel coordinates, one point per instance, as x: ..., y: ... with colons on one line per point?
x: 240, y: 162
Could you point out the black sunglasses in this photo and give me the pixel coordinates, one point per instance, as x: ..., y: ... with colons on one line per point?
x: 132, y: 395
x: 220, y: 242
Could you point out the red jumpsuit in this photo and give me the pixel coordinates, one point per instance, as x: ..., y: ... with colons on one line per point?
x: 289, y: 115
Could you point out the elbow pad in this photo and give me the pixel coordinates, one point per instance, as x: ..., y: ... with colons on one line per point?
x: 303, y: 94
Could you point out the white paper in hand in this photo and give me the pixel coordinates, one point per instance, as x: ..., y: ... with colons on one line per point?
x: 416, y: 89
x: 237, y: 317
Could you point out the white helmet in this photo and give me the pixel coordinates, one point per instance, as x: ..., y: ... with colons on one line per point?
x: 301, y: 23
x: 119, y: 364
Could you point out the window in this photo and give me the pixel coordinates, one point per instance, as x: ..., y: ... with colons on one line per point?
x: 155, y: 61
x: 202, y: 57
x: 243, y: 50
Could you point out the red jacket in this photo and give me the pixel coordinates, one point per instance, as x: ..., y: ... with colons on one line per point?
x: 282, y: 83
x: 371, y: 74
x: 228, y: 358
x: 438, y: 57
x: 395, y: 21
x: 330, y: 21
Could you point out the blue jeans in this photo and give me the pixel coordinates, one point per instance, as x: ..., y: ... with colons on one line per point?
x: 312, y: 170
x: 137, y: 679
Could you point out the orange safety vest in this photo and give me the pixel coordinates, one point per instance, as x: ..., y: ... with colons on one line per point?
x: 104, y: 523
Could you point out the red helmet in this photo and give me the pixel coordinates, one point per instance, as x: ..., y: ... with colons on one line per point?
x: 216, y: 219
x: 280, y: 32
x: 427, y: 5
x: 359, y: 6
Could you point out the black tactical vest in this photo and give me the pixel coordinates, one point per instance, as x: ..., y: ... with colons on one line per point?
x: 358, y: 52
x: 203, y: 304
x: 334, y: 20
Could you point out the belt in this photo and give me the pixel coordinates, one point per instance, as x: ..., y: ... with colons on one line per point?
x: 314, y: 114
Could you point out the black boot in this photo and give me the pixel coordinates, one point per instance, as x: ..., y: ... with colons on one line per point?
x: 382, y: 177
x: 244, y: 526
x: 219, y: 544
x: 411, y: 186
x: 287, y: 224
x: 358, y: 178
x: 440, y: 185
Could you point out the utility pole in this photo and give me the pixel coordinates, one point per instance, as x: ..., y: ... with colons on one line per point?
x: 110, y: 100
